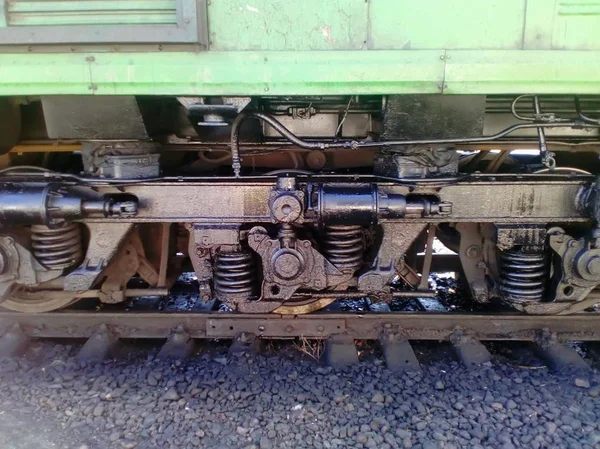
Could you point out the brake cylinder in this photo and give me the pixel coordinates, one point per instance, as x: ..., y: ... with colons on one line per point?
x: 365, y: 205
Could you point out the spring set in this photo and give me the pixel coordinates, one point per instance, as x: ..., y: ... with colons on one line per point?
x: 234, y: 275
x: 57, y: 249
x: 523, y: 274
x: 344, y: 246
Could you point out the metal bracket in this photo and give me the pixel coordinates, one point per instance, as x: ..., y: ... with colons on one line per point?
x: 105, y: 241
x: 270, y: 328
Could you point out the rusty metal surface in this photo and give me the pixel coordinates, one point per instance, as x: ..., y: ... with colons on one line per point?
x: 481, y: 198
x: 414, y: 326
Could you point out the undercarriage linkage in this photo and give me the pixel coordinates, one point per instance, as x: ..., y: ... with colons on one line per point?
x: 293, y: 240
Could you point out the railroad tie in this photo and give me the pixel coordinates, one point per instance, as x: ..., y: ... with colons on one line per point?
x: 179, y: 345
x: 13, y: 342
x: 559, y: 356
x: 398, y: 353
x: 340, y: 351
x: 99, y: 346
x: 470, y: 351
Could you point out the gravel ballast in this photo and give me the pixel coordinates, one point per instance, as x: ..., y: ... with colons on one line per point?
x: 216, y: 401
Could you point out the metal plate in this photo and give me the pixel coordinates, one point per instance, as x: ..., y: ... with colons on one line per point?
x: 486, y: 198
x: 89, y: 117
x: 275, y: 327
x: 299, y: 72
x: 413, y: 326
x: 433, y: 116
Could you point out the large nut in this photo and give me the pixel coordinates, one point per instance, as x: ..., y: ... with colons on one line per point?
x: 287, y: 263
x: 286, y: 208
x: 588, y: 265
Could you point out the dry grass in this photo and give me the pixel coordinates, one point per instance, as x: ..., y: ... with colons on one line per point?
x: 312, y: 348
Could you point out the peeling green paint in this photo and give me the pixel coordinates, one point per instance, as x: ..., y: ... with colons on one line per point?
x: 258, y: 47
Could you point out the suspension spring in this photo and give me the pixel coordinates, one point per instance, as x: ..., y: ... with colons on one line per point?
x: 523, y: 275
x: 344, y: 246
x: 234, y: 275
x: 57, y: 249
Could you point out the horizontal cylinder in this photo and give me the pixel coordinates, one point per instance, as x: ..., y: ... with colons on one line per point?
x: 348, y: 205
x: 23, y: 204
x: 53, y: 204
x: 365, y: 206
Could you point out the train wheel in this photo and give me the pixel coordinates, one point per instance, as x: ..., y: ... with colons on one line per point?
x: 301, y: 307
x: 38, y: 301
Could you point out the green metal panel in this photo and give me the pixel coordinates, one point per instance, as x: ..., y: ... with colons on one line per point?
x: 219, y: 73
x: 552, y: 72
x: 96, y: 12
x: 302, y: 73
x: 577, y: 25
x: 449, y: 24
x: 562, y: 24
x: 55, y: 78
x: 358, y: 24
x: 274, y: 47
x: 281, y: 25
x: 537, y: 32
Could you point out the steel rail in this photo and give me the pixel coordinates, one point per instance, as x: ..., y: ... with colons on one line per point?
x: 411, y: 325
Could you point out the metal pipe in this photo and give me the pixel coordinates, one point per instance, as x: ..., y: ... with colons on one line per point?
x: 278, y: 126
x: 547, y: 158
x: 53, y: 204
x: 471, y: 140
x: 357, y: 295
x: 583, y: 117
x: 128, y: 292
x: 354, y: 144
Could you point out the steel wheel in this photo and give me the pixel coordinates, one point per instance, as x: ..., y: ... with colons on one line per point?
x: 38, y: 301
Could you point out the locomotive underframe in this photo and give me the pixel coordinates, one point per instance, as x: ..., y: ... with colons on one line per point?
x: 216, y: 222
x: 293, y: 240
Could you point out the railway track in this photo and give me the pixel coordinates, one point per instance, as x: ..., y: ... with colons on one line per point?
x: 393, y: 331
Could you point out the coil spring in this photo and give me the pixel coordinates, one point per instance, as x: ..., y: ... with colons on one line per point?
x: 523, y: 275
x: 57, y: 249
x: 234, y: 275
x: 345, y: 246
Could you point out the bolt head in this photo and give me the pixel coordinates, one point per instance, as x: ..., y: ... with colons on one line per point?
x: 593, y: 266
x: 473, y: 251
